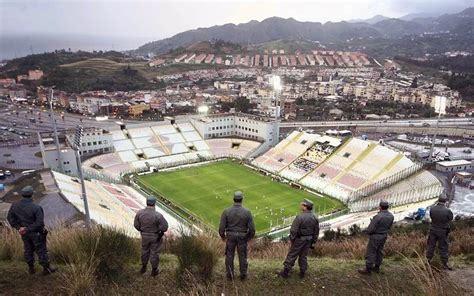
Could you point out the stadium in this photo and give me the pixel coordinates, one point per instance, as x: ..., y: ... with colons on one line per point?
x: 194, y: 166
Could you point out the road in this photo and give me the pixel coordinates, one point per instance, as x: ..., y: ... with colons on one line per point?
x: 446, y: 122
x: 18, y: 118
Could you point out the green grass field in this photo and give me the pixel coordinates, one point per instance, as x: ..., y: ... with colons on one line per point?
x: 207, y: 190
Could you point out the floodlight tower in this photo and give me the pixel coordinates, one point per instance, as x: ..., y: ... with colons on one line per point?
x: 77, y: 148
x: 277, y: 87
x: 440, y: 107
x: 55, y: 129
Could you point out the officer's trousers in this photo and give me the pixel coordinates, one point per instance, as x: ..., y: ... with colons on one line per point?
x: 299, y: 249
x: 374, y: 253
x: 151, y: 248
x: 239, y: 242
x: 35, y: 242
x: 441, y: 237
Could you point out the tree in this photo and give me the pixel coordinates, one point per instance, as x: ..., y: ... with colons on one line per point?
x: 242, y: 104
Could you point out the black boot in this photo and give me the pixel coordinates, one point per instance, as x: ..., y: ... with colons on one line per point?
x: 143, y: 269
x: 445, y: 266
x: 366, y: 271
x: 154, y: 272
x: 49, y: 270
x: 376, y: 269
x: 284, y: 273
x: 302, y: 274
x: 31, y: 269
x: 243, y: 277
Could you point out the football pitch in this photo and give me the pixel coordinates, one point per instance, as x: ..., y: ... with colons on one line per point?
x: 205, y: 191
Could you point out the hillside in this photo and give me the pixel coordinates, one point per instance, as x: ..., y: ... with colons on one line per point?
x: 83, y: 71
x: 275, y: 28
x: 192, y: 264
x: 326, y: 277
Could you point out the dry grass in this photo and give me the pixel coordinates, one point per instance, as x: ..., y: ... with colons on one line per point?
x: 79, y: 278
x: 11, y: 245
x: 430, y: 280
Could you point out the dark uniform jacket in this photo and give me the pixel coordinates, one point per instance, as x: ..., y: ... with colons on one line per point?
x: 305, y: 227
x: 440, y: 217
x: 380, y: 223
x: 149, y: 221
x: 25, y: 213
x: 237, y: 219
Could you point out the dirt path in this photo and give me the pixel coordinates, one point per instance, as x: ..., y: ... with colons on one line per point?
x: 465, y: 278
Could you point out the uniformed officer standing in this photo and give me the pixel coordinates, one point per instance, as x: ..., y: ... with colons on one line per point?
x: 28, y: 218
x: 304, y: 233
x: 439, y: 231
x: 378, y: 231
x: 236, y: 228
x: 152, y: 226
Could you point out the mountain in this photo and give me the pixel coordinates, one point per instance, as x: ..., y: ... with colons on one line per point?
x: 372, y: 20
x: 275, y: 28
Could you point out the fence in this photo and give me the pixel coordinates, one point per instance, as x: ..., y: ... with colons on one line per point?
x: 386, y: 182
x: 397, y: 199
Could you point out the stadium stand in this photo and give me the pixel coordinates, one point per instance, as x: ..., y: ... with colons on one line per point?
x: 285, y: 152
x: 163, y: 145
x: 109, y: 204
x: 349, y: 171
x: 418, y: 187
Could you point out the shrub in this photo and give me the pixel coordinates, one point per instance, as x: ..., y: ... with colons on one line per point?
x: 111, y: 249
x: 197, y: 256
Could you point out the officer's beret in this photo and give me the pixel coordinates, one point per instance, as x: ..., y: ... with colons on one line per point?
x: 238, y: 195
x: 308, y: 203
x: 443, y: 198
x: 151, y: 200
x: 27, y: 191
x: 384, y: 204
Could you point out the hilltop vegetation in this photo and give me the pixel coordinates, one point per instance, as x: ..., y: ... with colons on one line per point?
x: 83, y: 71
x: 461, y: 68
x: 193, y: 265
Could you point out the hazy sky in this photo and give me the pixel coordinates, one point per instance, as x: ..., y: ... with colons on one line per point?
x: 160, y: 19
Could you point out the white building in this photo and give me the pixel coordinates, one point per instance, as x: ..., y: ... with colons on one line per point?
x: 64, y: 161
x: 265, y: 130
x: 94, y: 141
x: 454, y: 166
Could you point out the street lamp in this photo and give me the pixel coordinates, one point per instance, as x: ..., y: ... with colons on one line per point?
x: 77, y: 147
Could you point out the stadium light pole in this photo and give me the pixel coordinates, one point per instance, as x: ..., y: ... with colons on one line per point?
x: 440, y: 103
x: 55, y: 129
x: 277, y: 87
x: 77, y: 147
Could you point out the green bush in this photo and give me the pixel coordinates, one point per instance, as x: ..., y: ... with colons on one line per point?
x: 111, y: 248
x: 197, y: 256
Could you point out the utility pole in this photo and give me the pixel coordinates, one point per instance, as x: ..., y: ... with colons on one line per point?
x: 55, y: 129
x: 77, y: 149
